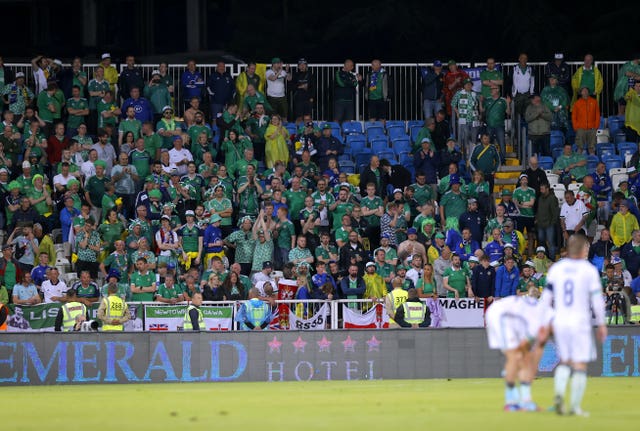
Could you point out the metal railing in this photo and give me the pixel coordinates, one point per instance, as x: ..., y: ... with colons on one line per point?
x: 406, y: 103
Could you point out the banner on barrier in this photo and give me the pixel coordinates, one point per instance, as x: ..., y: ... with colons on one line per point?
x: 170, y: 317
x: 316, y: 322
x: 375, y: 318
x: 461, y: 313
x: 41, y: 317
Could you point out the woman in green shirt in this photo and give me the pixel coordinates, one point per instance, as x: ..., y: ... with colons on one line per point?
x: 426, y: 285
x: 110, y: 231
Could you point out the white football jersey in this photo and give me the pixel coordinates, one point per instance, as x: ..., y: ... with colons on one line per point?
x: 575, y: 288
x: 531, y: 314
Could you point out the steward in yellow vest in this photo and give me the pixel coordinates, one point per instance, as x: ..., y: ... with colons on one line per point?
x: 113, y: 311
x: 395, y: 299
x: 194, y: 319
x: 413, y: 313
x: 71, y: 314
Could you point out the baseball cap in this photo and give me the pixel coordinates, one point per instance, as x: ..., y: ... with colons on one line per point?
x: 177, y: 138
x: 440, y: 235
x: 508, y: 222
x: 412, y: 231
x: 473, y: 259
x: 385, y: 236
x: 190, y: 213
x: 155, y: 72
x: 302, y: 61
x: 506, y: 192
x: 472, y: 201
x: 530, y: 264
x: 615, y: 260
x: 114, y: 273
x: 523, y: 176
x: 326, y: 126
x: 437, y: 63
x: 165, y: 217
x: 267, y: 264
x: 370, y: 264
x: 275, y: 60
x: 558, y: 56
x: 6, y: 246
x: 454, y: 179
x: 100, y: 163
x: 155, y: 193
x: 26, y: 164
x: 149, y: 179
x: 624, y: 202
x: 106, y: 55
x: 167, y: 108
x: 425, y: 140
x: 541, y: 249
x: 553, y: 75
x: 19, y: 75
x: 450, y: 62
x: 397, y: 191
x: 58, y: 62
x: 508, y: 245
x: 467, y: 81
x: 495, y: 263
x: 215, y: 218
x: 171, y: 265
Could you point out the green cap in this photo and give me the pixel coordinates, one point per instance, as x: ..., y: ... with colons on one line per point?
x: 275, y: 60
x: 78, y: 221
x: 467, y: 81
x: 72, y: 181
x: 326, y: 126
x: 450, y: 62
x: 506, y: 192
x: 440, y: 235
x: 35, y: 177
x: 215, y: 218
x: 155, y: 194
x: 100, y: 163
x: 149, y: 179
x: 13, y: 185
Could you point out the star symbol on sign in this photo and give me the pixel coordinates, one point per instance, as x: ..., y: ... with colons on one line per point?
x: 274, y: 345
x: 374, y: 344
x: 299, y: 345
x: 324, y: 345
x: 349, y: 344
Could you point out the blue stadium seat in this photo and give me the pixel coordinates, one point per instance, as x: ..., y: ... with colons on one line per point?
x: 405, y: 157
x: 331, y: 123
x: 556, y: 152
x: 615, y: 123
x: 557, y: 140
x: 336, y: 133
x: 412, y: 123
x: 375, y: 132
x: 603, y: 123
x: 413, y: 132
x: 378, y: 145
x: 370, y: 124
x: 620, y: 136
x: 626, y: 148
x: 412, y: 170
x: 605, y: 150
x: 355, y: 147
x: 389, y: 155
x: 396, y: 123
x: 352, y: 127
x: 291, y: 128
x: 396, y: 132
x: 401, y: 145
x: 613, y: 161
x: 364, y: 157
x: 347, y: 166
x: 592, y: 162
x: 356, y: 138
x: 545, y: 162
x: 344, y: 158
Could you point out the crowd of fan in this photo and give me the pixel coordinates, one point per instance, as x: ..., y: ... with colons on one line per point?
x: 168, y: 206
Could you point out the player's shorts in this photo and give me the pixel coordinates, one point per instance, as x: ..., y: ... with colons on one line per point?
x: 504, y: 331
x: 574, y: 344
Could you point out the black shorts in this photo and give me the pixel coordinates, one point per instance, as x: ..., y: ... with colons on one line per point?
x: 378, y: 109
x: 527, y: 223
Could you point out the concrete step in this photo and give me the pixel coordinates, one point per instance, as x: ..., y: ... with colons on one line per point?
x: 505, y: 181
x: 511, y: 168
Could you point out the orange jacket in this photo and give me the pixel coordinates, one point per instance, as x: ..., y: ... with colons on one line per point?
x: 586, y: 114
x: 3, y: 325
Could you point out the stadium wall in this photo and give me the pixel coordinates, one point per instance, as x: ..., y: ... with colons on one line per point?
x: 79, y: 358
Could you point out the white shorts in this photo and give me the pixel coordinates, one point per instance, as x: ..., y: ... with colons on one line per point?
x: 505, y: 332
x: 574, y: 344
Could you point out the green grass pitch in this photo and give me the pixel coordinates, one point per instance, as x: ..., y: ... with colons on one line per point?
x: 460, y: 404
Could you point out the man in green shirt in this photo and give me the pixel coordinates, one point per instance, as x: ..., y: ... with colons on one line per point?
x: 221, y: 206
x: 130, y: 124
x: 95, y: 189
x: 495, y: 109
x: 168, y: 292
x: 326, y: 252
x: 107, y: 111
x: 456, y: 279
x: 78, y: 109
x: 525, y: 199
x: 249, y: 189
x: 295, y: 199
x: 423, y: 192
x: 140, y: 158
x: 244, y: 244
x: 49, y: 106
x: 143, y: 282
x: 191, y: 237
x: 485, y: 158
x: 384, y: 269
x: 490, y: 77
x: 556, y: 99
x: 343, y: 207
x: 453, y: 203
x: 570, y: 166
x: 285, y: 235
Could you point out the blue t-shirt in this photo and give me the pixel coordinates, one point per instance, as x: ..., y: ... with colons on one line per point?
x: 24, y: 292
x: 38, y: 274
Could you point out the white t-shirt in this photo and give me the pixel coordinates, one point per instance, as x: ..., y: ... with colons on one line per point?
x: 576, y: 290
x: 572, y: 214
x: 276, y: 88
x: 50, y: 290
x: 88, y: 169
x: 176, y: 156
x: 62, y: 180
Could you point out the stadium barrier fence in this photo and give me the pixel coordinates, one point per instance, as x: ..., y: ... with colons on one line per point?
x: 406, y: 100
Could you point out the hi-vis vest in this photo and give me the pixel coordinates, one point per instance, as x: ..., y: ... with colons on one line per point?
x: 256, y: 311
x: 114, y: 309
x: 70, y: 312
x: 635, y: 314
x: 186, y: 324
x: 3, y: 325
x: 414, y: 312
x: 397, y: 297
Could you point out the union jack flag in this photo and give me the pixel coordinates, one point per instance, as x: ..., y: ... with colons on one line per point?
x: 158, y: 327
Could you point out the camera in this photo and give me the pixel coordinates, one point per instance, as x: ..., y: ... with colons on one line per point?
x: 89, y: 326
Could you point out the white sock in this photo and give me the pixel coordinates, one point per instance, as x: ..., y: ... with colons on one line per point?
x: 578, y: 386
x: 525, y: 392
x: 561, y: 378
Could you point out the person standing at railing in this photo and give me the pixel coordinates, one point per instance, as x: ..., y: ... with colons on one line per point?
x: 628, y: 75
x: 245, y: 78
x: 432, y: 83
x: 585, y: 118
x: 17, y: 96
x: 538, y: 118
x: 110, y: 72
x: 276, y: 87
x: 413, y: 313
x: 377, y: 92
x: 344, y: 92
x: 254, y: 314
x: 192, y: 84
x: 113, y: 311
x: 453, y: 82
x: 556, y: 99
x: 6, y: 77
x: 394, y: 300
x: 588, y: 76
x: 130, y: 77
x: 303, y: 84
x: 221, y: 89
x: 561, y: 70
x: 465, y: 104
x: 523, y: 84
x: 632, y: 118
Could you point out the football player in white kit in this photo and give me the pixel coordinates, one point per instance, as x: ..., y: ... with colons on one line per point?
x: 574, y: 290
x: 519, y: 327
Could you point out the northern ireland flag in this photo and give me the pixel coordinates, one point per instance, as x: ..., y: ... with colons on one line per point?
x: 375, y: 318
